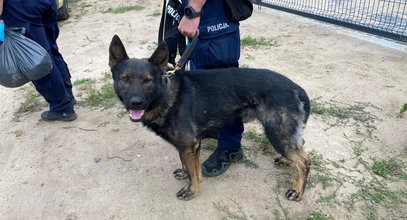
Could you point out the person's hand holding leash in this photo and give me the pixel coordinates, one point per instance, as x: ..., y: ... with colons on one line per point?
x: 188, y: 27
x: 191, y: 19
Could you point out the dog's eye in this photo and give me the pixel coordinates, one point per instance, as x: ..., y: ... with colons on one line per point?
x: 146, y: 79
x: 124, y: 78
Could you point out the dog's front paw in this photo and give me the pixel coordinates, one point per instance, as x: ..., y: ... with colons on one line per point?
x: 292, y: 194
x: 180, y: 174
x: 186, y: 194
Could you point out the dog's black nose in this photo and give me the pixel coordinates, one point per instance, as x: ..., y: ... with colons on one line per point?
x: 136, y: 102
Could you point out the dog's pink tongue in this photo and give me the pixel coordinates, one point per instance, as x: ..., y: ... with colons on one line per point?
x: 136, y: 114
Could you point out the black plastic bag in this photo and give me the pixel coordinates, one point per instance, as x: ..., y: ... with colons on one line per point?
x: 239, y: 10
x: 22, y: 59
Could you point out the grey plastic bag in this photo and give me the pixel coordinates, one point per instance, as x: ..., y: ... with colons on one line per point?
x: 22, y: 59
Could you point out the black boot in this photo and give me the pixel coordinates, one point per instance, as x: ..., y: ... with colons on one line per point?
x: 220, y: 161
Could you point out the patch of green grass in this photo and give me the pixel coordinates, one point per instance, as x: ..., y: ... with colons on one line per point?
x: 330, y: 199
x: 323, y: 179
x: 261, y: 139
x: 377, y: 193
x: 380, y: 193
x: 84, y: 84
x: 344, y: 113
x: 107, y: 75
x: 92, y: 96
x: 84, y: 81
x: 32, y: 102
x: 320, y: 173
x: 319, y: 215
x: 390, y: 167
x: 402, y: 110
x: 257, y: 42
x: 209, y: 144
x: 317, y: 161
x: 105, y: 97
x: 248, y: 162
x: 229, y: 213
x: 358, y: 150
x: 123, y: 9
x: 18, y: 133
x: 371, y: 212
x: 121, y: 113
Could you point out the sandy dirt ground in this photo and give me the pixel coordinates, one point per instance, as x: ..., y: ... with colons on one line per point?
x: 103, y: 166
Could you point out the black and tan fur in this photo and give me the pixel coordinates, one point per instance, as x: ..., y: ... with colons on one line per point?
x: 191, y: 105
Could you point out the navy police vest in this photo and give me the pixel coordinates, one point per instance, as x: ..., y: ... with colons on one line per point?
x: 214, y: 20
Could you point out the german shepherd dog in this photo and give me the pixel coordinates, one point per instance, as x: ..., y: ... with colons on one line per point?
x: 192, y: 105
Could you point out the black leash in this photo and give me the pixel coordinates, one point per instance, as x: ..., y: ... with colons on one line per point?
x: 184, y: 58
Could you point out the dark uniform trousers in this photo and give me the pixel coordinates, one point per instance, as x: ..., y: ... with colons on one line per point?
x: 39, y: 18
x: 218, y: 46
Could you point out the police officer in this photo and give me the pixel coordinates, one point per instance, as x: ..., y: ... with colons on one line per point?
x: 39, y: 19
x: 218, y: 46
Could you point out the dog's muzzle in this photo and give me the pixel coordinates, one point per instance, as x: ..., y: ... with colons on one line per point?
x: 136, y: 111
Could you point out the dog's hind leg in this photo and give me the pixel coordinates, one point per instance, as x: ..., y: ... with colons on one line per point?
x: 190, y: 159
x: 292, y: 154
x: 285, y: 134
x: 282, y: 161
x: 295, y: 155
x: 302, y: 165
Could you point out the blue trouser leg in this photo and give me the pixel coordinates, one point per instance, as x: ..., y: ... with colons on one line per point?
x: 52, y: 31
x: 56, y: 87
x: 221, y: 52
x: 53, y: 86
x: 64, y: 71
x: 230, y: 135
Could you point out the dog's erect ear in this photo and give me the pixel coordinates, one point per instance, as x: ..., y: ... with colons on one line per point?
x: 160, y: 56
x: 117, y: 53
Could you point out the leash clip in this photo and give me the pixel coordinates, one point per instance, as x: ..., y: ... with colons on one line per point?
x: 172, y: 72
x: 184, y: 56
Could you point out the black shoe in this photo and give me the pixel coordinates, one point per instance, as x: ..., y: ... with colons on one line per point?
x: 220, y: 161
x: 58, y: 116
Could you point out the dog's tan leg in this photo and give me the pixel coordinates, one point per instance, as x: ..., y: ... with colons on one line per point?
x: 182, y: 173
x: 190, y: 157
x: 302, y: 165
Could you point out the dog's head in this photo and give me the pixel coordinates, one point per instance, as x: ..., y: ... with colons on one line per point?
x: 138, y: 83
